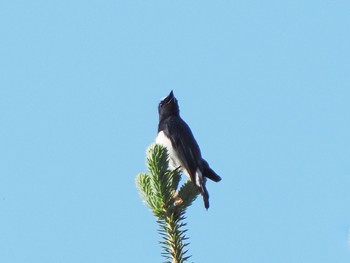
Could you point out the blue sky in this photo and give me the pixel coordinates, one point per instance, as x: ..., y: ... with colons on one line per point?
x: 265, y: 87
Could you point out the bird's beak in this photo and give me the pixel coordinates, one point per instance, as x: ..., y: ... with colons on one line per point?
x: 169, y: 97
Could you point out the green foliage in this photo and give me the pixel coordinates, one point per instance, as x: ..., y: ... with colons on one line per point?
x: 159, y: 190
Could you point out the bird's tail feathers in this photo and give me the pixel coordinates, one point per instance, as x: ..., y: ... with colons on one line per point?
x: 200, y: 183
x: 205, y: 196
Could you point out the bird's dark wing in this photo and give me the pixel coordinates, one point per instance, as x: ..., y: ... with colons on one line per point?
x: 184, y: 144
x: 209, y: 173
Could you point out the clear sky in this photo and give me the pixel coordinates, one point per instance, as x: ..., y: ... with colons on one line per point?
x: 264, y: 85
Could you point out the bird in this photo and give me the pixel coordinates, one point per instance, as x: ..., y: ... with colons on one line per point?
x: 184, y: 152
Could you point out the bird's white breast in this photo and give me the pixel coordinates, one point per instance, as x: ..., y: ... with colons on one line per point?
x: 175, y: 162
x: 165, y: 141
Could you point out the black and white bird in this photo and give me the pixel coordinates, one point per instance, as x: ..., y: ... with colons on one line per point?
x: 177, y: 137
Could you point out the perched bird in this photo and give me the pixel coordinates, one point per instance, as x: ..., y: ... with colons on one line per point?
x: 177, y: 137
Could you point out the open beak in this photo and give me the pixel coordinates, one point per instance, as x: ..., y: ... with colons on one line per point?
x: 169, y: 97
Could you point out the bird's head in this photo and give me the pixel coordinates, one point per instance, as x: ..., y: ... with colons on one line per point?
x: 168, y: 106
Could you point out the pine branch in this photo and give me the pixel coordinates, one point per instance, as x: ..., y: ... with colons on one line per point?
x: 159, y: 190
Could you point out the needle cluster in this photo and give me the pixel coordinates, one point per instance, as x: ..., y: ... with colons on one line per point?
x: 168, y: 202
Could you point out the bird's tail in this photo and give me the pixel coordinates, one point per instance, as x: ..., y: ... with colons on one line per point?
x: 209, y: 173
x: 200, y: 183
x: 205, y: 196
